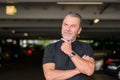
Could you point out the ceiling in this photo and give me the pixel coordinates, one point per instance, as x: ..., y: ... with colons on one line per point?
x: 42, y: 19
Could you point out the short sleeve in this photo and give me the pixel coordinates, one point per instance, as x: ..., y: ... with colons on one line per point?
x: 48, y: 56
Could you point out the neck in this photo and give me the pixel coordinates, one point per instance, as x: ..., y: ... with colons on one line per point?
x: 73, y: 40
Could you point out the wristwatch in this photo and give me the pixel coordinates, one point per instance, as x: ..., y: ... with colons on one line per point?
x: 72, y: 54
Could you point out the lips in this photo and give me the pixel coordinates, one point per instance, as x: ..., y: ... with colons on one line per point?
x: 67, y: 32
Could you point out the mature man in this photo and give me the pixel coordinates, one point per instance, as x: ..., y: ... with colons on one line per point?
x: 69, y: 59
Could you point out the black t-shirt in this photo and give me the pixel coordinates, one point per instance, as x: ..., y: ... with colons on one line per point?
x: 53, y: 54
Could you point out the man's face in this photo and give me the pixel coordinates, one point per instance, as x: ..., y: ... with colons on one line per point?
x: 70, y: 28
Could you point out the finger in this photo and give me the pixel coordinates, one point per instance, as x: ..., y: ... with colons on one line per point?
x: 87, y: 58
x: 83, y: 56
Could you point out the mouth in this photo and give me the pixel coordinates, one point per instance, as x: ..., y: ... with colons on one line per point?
x: 67, y: 36
x: 67, y: 33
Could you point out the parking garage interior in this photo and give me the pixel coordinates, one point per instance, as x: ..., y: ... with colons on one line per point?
x: 31, y: 25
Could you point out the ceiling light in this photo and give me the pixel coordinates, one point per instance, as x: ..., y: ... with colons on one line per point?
x: 79, y: 2
x: 96, y: 20
x: 13, y: 31
x: 11, y: 10
x: 25, y: 34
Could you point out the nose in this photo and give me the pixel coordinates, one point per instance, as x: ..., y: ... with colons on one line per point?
x: 68, y: 28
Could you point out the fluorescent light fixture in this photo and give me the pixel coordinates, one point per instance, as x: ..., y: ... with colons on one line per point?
x: 11, y: 10
x: 9, y: 40
x: 79, y: 2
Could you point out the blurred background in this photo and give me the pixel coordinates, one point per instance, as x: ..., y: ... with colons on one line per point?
x: 28, y: 26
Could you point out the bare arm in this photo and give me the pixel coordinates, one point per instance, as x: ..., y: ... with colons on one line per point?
x: 52, y: 74
x: 84, y: 64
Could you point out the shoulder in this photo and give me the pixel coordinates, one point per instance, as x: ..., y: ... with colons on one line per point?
x: 86, y: 48
x: 83, y: 43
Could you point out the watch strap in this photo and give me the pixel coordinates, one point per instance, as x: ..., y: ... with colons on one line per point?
x: 72, y: 54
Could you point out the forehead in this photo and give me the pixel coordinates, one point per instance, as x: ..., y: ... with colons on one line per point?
x: 71, y: 19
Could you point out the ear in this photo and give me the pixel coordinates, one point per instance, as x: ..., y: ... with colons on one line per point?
x: 79, y: 31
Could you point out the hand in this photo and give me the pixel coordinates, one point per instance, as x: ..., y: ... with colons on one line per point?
x: 66, y: 46
x: 86, y: 57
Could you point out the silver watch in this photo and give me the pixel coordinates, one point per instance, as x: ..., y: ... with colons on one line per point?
x: 72, y: 54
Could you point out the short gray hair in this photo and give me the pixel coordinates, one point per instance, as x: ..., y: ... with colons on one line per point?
x: 74, y: 14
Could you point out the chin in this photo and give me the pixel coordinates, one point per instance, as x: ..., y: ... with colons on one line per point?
x: 67, y: 38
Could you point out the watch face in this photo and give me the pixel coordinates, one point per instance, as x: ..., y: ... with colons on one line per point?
x: 72, y: 54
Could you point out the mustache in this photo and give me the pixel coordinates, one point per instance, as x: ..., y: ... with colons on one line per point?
x: 67, y: 32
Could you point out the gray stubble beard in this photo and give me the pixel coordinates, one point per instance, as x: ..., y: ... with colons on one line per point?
x: 67, y: 37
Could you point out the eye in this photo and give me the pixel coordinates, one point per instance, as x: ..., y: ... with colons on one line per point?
x: 74, y: 26
x: 65, y: 24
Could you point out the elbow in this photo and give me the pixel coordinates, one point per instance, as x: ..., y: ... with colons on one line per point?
x: 87, y: 72
x: 49, y: 77
x: 90, y: 72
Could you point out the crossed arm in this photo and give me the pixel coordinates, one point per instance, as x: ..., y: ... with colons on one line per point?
x: 83, y: 65
x: 52, y: 74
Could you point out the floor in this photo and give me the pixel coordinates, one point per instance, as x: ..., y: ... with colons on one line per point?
x: 31, y: 70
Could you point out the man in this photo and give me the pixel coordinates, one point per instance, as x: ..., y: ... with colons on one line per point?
x: 69, y: 59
